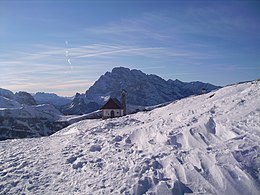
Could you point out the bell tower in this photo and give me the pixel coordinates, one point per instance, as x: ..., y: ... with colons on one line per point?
x: 124, y: 100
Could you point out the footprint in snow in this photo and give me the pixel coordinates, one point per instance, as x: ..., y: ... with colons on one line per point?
x: 71, y: 159
x: 95, y: 148
x: 211, y: 126
x: 172, y: 140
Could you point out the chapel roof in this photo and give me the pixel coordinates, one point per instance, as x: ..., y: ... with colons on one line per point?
x: 112, y: 103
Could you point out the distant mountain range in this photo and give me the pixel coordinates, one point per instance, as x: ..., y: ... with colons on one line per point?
x: 143, y: 90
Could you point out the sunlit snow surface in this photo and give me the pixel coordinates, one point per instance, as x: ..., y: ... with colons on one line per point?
x: 206, y: 144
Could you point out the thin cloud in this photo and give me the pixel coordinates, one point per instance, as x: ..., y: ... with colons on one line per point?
x: 181, y: 74
x: 139, y: 28
x: 122, y: 51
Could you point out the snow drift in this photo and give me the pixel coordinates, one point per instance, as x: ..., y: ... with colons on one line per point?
x: 207, y: 144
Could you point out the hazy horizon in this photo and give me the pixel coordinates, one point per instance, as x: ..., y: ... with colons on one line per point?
x: 70, y: 95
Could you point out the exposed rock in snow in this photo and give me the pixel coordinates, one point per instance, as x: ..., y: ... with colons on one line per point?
x: 143, y: 90
x: 207, y: 144
x: 95, y: 148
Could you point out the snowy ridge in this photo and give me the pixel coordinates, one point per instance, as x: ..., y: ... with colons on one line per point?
x: 207, y: 144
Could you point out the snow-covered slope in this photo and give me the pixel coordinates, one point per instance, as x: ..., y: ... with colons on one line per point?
x: 207, y: 144
x: 143, y: 90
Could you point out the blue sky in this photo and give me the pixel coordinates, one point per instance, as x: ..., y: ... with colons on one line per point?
x: 63, y: 46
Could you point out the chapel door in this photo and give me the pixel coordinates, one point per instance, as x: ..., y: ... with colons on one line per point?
x: 112, y: 114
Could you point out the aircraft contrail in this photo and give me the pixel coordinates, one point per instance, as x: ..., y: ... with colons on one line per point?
x: 67, y: 53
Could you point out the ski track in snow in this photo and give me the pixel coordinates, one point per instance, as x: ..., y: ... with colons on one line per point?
x: 207, y: 144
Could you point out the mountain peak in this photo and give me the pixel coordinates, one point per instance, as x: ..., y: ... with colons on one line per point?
x: 143, y: 89
x: 126, y: 71
x: 120, y: 69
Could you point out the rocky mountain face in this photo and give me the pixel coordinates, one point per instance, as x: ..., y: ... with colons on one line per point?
x: 80, y: 105
x: 25, y: 98
x: 9, y: 99
x: 143, y: 90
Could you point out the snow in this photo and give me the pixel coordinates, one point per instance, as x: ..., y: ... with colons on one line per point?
x: 207, y: 144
